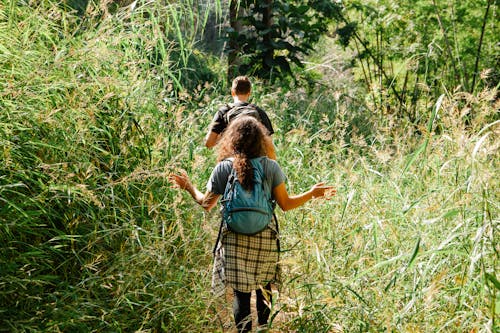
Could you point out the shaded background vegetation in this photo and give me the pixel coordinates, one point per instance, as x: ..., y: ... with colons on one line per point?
x: 101, y: 100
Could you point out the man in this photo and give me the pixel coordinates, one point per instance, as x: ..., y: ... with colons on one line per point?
x: 240, y: 90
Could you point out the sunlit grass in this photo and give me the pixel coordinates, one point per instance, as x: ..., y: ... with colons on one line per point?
x: 404, y: 246
x: 96, y: 113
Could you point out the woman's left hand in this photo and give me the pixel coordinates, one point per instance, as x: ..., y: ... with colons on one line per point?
x: 180, y: 180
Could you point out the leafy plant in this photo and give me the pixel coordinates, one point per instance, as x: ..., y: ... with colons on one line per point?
x: 408, y: 51
x: 95, y: 115
x: 266, y: 37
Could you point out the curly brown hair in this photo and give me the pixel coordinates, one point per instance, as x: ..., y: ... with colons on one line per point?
x: 243, y: 139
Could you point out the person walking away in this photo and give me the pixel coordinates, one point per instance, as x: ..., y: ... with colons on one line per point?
x: 241, y: 90
x: 246, y: 262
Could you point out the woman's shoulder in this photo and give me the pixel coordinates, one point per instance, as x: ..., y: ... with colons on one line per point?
x: 224, y: 167
x: 221, y: 170
x: 273, y: 172
x: 269, y: 160
x: 270, y: 164
x: 267, y: 163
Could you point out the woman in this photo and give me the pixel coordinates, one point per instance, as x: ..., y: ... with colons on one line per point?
x: 244, y: 262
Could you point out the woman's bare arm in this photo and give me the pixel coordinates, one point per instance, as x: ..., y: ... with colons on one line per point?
x: 207, y: 200
x: 287, y: 202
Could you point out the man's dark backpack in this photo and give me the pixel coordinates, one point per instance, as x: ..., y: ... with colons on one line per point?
x: 241, y: 109
x: 247, y: 212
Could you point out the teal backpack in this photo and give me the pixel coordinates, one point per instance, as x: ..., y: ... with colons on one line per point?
x: 247, y: 212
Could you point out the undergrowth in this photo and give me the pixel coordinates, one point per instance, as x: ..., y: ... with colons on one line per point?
x: 95, y: 114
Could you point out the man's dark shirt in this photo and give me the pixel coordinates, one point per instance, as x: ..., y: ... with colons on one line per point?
x: 219, y: 123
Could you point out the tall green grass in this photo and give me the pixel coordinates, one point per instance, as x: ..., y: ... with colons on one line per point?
x: 411, y: 242
x: 88, y: 130
x: 97, y: 110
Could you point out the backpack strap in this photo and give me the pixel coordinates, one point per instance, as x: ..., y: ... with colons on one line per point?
x: 219, y: 234
x: 230, y: 182
x: 278, y: 245
x: 264, y: 163
x: 226, y: 107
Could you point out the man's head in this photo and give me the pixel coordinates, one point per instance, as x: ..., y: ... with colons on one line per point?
x: 241, y: 87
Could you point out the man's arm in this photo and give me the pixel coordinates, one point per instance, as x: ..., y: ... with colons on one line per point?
x: 270, y: 150
x: 211, y: 139
x: 215, y: 129
x: 264, y: 118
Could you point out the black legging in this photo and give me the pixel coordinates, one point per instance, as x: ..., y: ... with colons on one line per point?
x: 241, y: 308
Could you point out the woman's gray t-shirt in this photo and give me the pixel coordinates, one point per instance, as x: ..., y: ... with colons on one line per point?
x: 273, y: 175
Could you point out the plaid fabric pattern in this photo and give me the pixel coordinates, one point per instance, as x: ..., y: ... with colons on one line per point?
x: 245, y: 262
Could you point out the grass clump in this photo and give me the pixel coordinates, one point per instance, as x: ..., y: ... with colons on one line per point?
x: 87, y: 137
x: 98, y: 109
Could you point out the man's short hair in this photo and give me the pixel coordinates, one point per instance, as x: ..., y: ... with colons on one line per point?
x: 241, y: 85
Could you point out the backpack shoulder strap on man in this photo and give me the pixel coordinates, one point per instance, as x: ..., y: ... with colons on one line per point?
x: 241, y: 109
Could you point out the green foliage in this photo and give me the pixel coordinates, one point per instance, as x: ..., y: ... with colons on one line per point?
x: 410, y: 51
x: 80, y: 184
x: 269, y: 49
x: 95, y: 115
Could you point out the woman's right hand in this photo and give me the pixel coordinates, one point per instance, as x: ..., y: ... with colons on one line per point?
x: 287, y: 202
x: 181, y: 180
x: 320, y: 190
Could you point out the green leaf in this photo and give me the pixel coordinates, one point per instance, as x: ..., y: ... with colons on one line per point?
x: 414, y: 156
x: 493, y: 280
x: 451, y: 213
x: 415, y: 252
x: 301, y: 10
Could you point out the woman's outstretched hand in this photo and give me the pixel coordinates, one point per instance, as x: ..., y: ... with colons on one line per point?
x: 287, y: 202
x: 320, y: 190
x: 180, y: 180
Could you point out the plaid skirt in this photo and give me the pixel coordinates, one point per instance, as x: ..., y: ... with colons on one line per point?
x: 245, y: 263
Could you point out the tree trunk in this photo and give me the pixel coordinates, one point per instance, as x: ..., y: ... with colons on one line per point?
x: 235, y: 11
x: 267, y: 20
x: 480, y: 44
